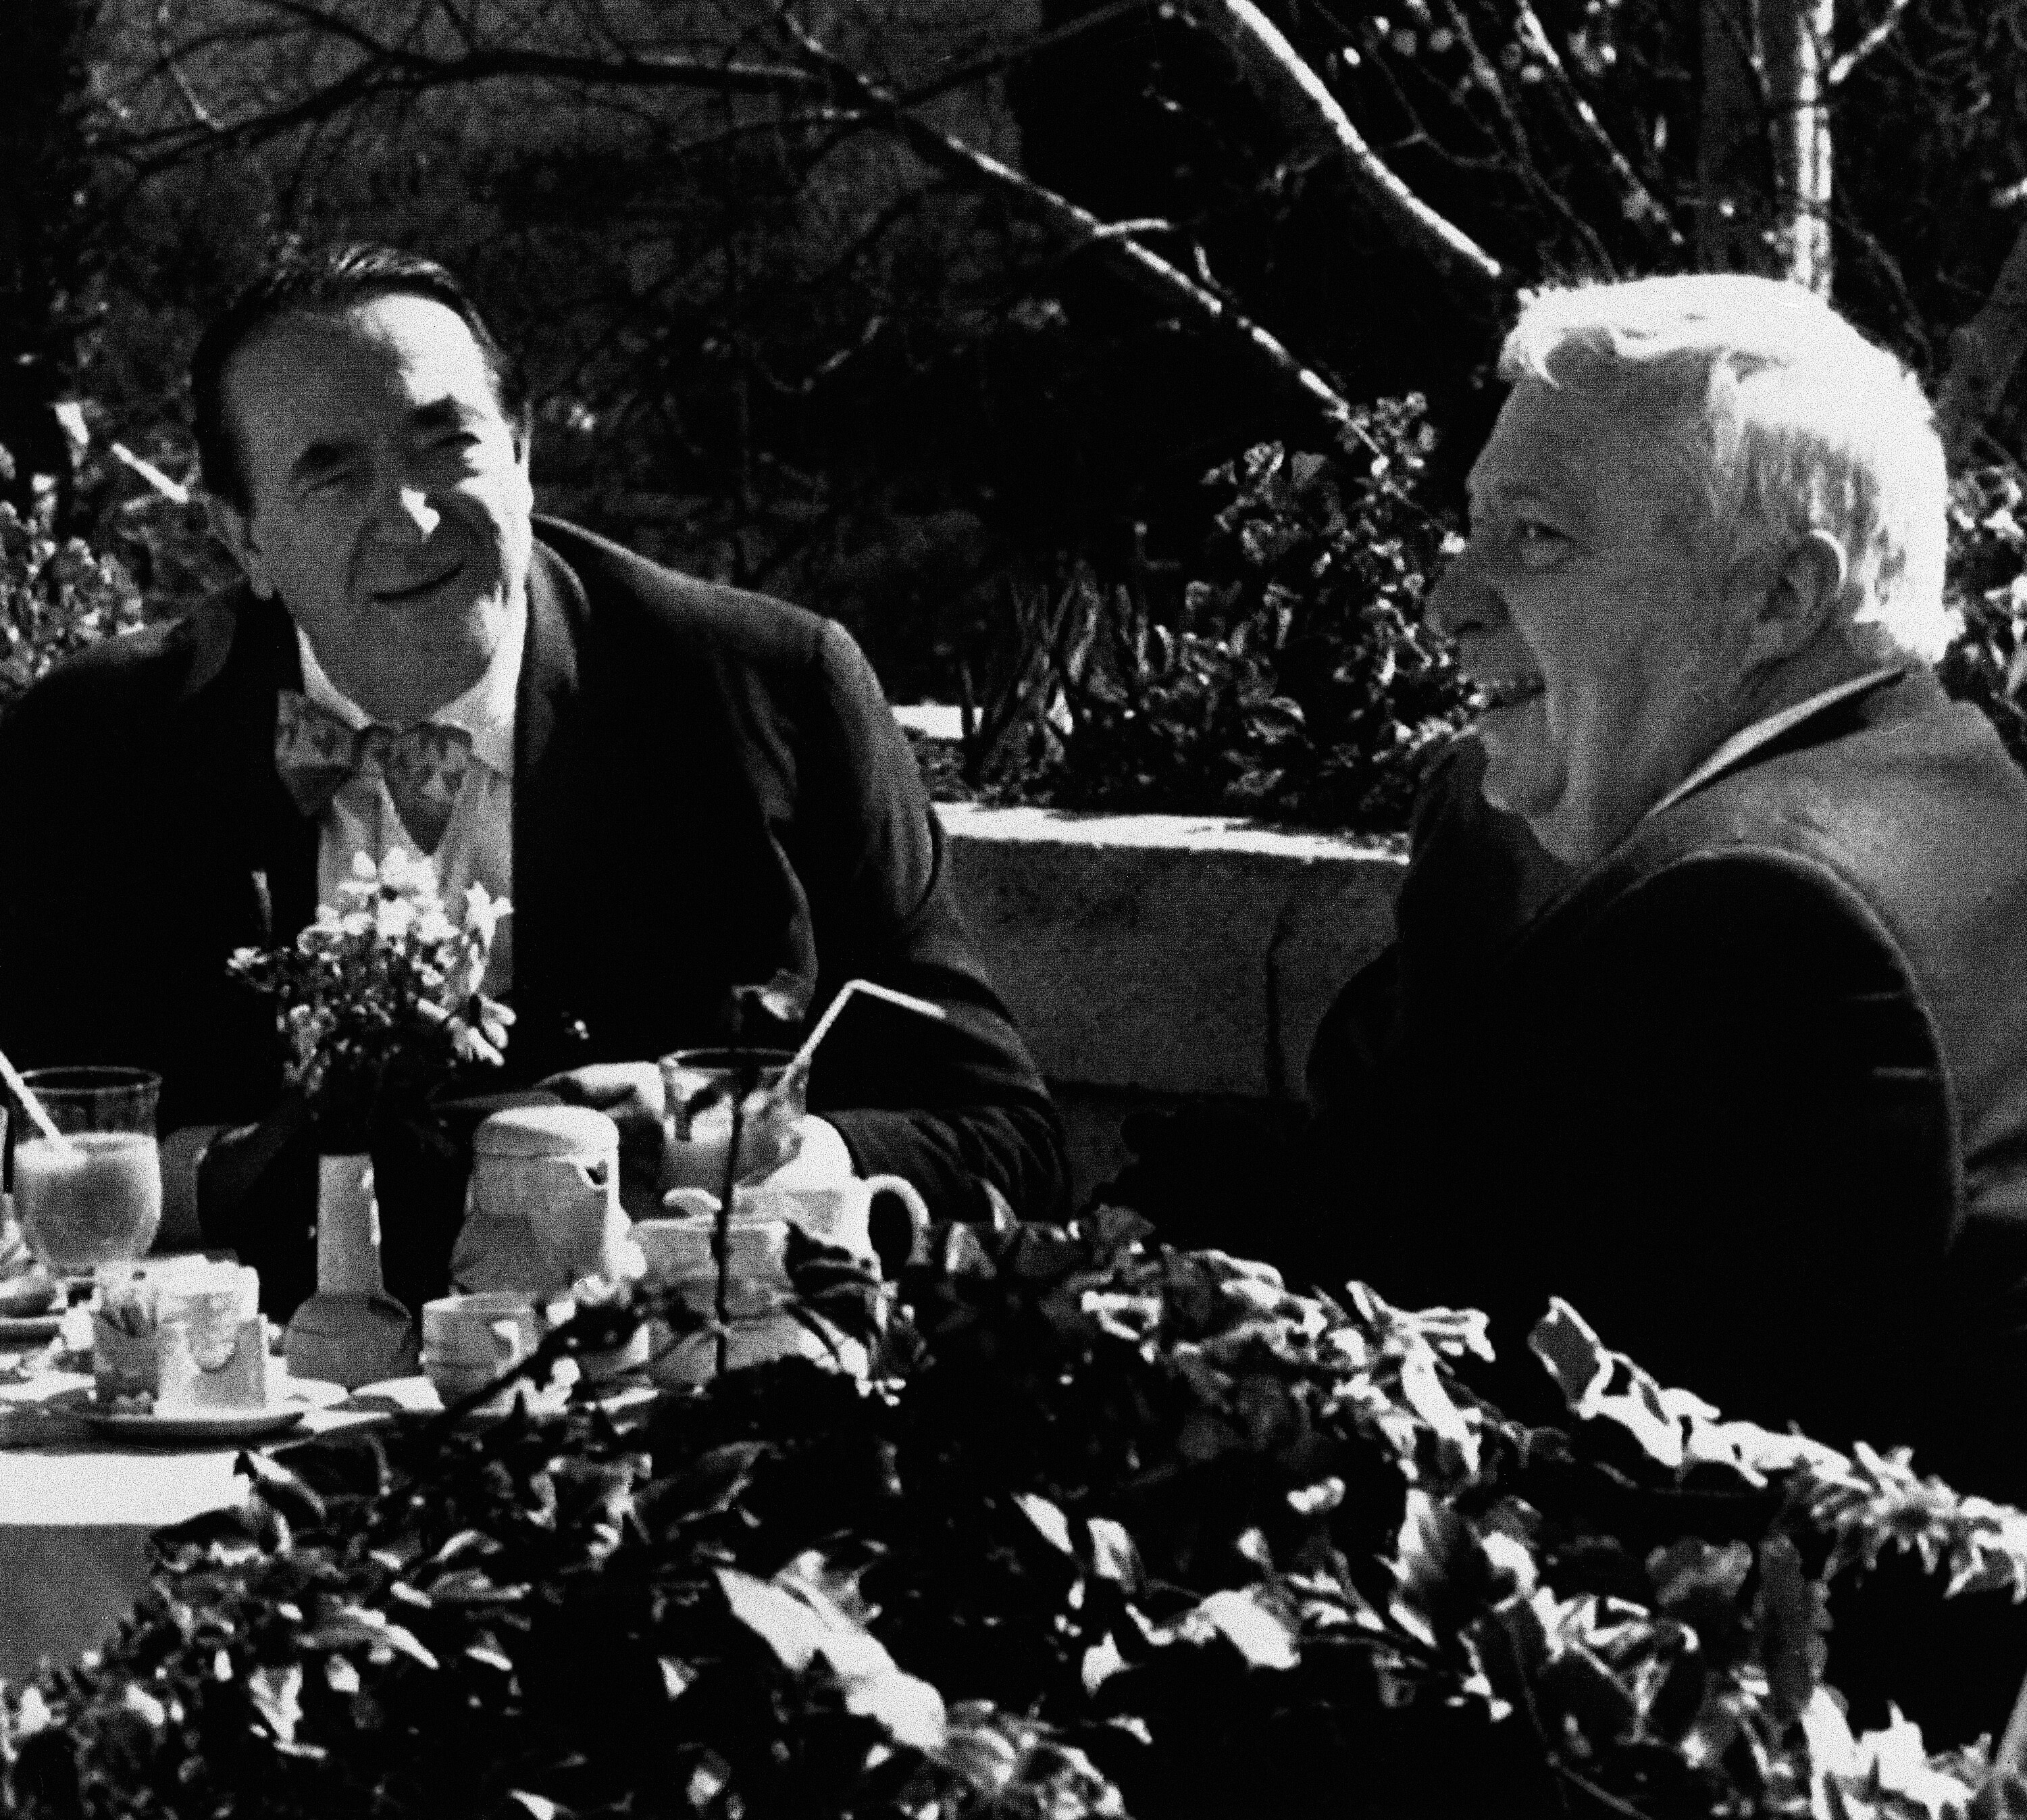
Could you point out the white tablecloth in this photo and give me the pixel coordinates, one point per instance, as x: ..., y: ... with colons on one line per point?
x: 76, y: 1511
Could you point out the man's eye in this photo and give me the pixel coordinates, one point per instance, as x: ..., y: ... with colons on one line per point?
x: 1537, y: 542
x: 325, y: 480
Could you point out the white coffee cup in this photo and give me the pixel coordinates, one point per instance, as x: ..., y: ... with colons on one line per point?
x: 468, y: 1340
x: 839, y: 1214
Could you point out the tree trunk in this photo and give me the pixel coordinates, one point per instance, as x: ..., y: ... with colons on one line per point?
x: 1797, y: 35
x: 1763, y: 144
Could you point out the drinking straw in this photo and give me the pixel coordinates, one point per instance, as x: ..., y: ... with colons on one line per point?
x: 34, y: 1109
x: 799, y: 1063
x: 2013, y: 1745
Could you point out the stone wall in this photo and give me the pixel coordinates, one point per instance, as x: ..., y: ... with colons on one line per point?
x: 1160, y: 961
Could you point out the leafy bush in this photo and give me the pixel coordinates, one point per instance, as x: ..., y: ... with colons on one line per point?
x: 1987, y: 663
x: 1140, y: 1531
x: 1296, y: 680
x: 55, y: 598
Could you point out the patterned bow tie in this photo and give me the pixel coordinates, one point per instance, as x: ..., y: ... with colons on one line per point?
x: 424, y: 768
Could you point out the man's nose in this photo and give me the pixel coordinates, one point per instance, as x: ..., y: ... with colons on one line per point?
x: 407, y: 515
x: 1460, y: 601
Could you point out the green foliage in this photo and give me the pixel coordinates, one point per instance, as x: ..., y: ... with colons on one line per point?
x: 1298, y: 681
x: 1987, y: 663
x: 55, y: 598
x: 1140, y: 1531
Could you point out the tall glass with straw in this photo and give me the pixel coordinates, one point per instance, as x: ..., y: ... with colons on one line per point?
x: 733, y: 1115
x: 87, y: 1172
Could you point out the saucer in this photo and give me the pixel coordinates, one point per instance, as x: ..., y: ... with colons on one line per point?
x: 296, y: 1398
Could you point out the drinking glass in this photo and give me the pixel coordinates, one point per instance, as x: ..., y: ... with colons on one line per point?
x: 94, y: 1196
x: 698, y: 1086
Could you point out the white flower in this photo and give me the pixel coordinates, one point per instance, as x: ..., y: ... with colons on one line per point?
x: 483, y: 912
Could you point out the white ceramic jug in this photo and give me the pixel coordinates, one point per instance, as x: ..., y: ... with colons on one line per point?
x: 543, y: 1207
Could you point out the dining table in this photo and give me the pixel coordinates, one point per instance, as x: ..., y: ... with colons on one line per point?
x: 79, y: 1498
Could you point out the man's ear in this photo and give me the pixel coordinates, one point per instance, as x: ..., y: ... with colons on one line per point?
x: 1797, y: 600
x: 234, y: 529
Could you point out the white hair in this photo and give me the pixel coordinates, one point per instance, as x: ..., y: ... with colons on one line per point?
x: 1782, y: 418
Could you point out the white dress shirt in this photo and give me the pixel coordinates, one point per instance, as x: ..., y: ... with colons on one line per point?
x: 477, y: 846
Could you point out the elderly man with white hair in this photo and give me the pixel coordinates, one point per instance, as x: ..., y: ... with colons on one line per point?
x: 1735, y: 1060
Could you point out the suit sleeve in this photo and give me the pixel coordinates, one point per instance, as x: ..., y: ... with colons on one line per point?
x: 946, y: 1104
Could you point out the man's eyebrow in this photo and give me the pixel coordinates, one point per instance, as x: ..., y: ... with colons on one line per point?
x: 321, y: 458
x: 441, y: 414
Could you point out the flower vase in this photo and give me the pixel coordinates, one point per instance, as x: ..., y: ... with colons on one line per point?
x: 351, y: 1331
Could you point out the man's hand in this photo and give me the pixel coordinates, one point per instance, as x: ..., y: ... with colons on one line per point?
x: 229, y: 1166
x: 629, y: 1093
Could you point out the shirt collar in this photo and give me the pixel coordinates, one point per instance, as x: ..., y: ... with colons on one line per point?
x: 485, y: 710
x: 1764, y: 731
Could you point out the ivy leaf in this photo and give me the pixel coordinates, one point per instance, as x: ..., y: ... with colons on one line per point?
x: 710, y: 1485
x: 1584, y: 1370
x: 473, y: 1586
x: 1053, y: 1524
x: 285, y: 1492
x: 1113, y: 1556
x: 783, y: 1622
x: 355, y: 1624
x: 1576, y: 1358
x: 1245, y: 1619
x: 538, y: 1807
x: 1423, y: 1391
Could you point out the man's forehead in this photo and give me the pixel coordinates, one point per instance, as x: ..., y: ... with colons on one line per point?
x: 410, y: 349
x: 1548, y: 444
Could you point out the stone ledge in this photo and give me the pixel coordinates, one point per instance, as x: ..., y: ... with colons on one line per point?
x: 1170, y: 955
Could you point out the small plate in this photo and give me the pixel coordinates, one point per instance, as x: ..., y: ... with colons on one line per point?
x: 31, y: 1326
x: 298, y: 1397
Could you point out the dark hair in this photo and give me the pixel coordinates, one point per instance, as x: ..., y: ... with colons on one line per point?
x: 322, y: 281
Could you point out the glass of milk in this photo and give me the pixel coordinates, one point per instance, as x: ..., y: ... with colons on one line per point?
x: 94, y: 1195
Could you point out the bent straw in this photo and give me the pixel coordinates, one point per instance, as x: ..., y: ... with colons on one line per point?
x: 799, y: 1063
x: 34, y: 1107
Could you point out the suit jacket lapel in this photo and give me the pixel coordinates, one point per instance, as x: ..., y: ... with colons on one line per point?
x: 247, y: 654
x: 551, y: 855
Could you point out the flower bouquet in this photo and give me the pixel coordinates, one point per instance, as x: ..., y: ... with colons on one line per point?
x: 379, y: 1002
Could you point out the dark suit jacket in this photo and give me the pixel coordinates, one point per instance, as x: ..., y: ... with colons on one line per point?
x: 1752, y: 1093
x: 709, y: 790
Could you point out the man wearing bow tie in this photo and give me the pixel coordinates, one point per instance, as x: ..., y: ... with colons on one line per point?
x: 681, y: 787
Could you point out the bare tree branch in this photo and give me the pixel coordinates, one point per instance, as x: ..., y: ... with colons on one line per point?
x: 1279, y: 72
x: 1523, y: 154
x: 200, y: 116
x: 1983, y: 355
x: 1851, y: 59
x: 1077, y: 227
x: 1640, y: 203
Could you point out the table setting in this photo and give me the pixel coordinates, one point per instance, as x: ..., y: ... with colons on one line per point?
x: 133, y: 1382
